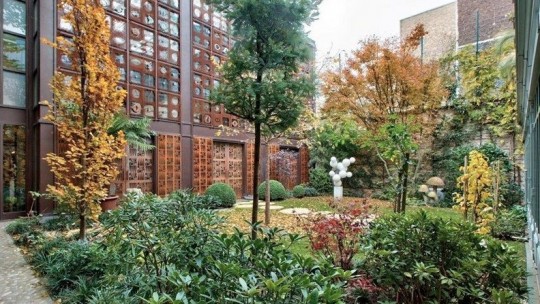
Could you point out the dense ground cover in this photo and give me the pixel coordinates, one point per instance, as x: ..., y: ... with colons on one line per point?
x: 176, y: 250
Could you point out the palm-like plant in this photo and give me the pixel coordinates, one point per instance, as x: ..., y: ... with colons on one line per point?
x: 506, y: 51
x: 136, y: 131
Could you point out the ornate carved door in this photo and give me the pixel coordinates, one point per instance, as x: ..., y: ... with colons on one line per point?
x: 284, y: 166
x: 140, y: 169
x: 227, y: 165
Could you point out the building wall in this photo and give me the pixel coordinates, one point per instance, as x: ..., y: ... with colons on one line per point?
x: 494, y: 17
x: 440, y: 23
x: 167, y: 53
x: 528, y: 91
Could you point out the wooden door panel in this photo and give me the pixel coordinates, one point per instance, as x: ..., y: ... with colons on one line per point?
x: 228, y: 165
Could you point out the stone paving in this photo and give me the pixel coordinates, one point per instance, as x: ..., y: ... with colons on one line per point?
x: 18, y: 283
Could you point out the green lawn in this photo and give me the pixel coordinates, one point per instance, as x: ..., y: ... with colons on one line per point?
x: 379, y: 207
x: 314, y: 203
x: 322, y: 203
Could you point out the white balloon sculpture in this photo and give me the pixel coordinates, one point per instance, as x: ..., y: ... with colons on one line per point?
x: 339, y: 172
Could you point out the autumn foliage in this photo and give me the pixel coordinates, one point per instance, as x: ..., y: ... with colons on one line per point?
x: 83, y: 110
x: 391, y: 93
x: 338, y: 235
x: 385, y: 78
x: 476, y: 181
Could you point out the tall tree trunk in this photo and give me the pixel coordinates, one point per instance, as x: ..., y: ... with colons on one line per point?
x: 267, y: 190
x: 82, y: 227
x: 405, y: 183
x: 465, y: 189
x: 257, y: 158
x: 397, y: 200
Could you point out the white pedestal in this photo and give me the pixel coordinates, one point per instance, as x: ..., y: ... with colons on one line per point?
x: 338, y: 193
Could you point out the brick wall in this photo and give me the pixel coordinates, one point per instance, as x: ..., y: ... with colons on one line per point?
x: 494, y: 18
x: 440, y: 24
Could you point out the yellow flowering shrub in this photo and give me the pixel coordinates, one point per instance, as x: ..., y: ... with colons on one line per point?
x: 475, y: 200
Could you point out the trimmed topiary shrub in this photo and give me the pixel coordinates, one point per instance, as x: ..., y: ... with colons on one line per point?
x: 299, y: 191
x: 224, y: 192
x: 311, y: 192
x: 277, y: 191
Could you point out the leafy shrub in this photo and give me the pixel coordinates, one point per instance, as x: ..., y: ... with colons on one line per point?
x: 25, y: 231
x: 67, y: 263
x: 512, y: 194
x: 167, y: 250
x: 310, y: 192
x: 447, y: 164
x: 22, y: 226
x: 224, y: 192
x: 386, y: 194
x: 299, y: 191
x: 61, y: 222
x: 277, y: 191
x: 211, y: 202
x: 361, y: 289
x: 337, y: 236
x: 421, y: 259
x: 510, y: 223
x: 320, y: 180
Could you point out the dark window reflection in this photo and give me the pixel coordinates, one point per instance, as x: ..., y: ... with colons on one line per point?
x: 13, y: 168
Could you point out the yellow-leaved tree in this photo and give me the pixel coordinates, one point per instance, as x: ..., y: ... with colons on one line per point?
x: 83, y: 110
x: 476, y: 182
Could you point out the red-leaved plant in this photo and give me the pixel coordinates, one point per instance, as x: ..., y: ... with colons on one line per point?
x: 361, y: 289
x: 337, y: 235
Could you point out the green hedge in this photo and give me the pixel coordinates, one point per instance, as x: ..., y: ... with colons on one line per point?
x: 299, y: 191
x: 277, y: 191
x: 224, y: 192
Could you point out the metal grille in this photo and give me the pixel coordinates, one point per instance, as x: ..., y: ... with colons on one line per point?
x: 202, y: 163
x: 169, y: 164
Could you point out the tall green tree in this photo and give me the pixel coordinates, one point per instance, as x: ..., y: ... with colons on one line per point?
x: 263, y: 81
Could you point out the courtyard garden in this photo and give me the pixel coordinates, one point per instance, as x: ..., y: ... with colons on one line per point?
x: 402, y: 200
x: 181, y: 249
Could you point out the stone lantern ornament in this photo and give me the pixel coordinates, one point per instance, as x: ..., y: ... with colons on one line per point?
x: 339, y: 172
x: 437, y: 184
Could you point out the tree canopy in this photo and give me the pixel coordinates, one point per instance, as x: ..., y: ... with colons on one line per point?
x: 383, y: 79
x: 263, y: 78
x: 83, y: 110
x: 395, y: 96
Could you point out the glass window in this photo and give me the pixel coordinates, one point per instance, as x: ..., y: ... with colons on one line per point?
x: 14, y: 53
x: 15, y: 16
x: 13, y: 168
x: 14, y: 89
x: 135, y: 77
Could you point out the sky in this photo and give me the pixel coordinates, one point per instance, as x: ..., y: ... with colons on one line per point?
x: 343, y: 23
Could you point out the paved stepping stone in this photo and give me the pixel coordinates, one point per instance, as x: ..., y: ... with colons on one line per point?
x: 298, y: 211
x: 261, y: 203
x: 245, y: 206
